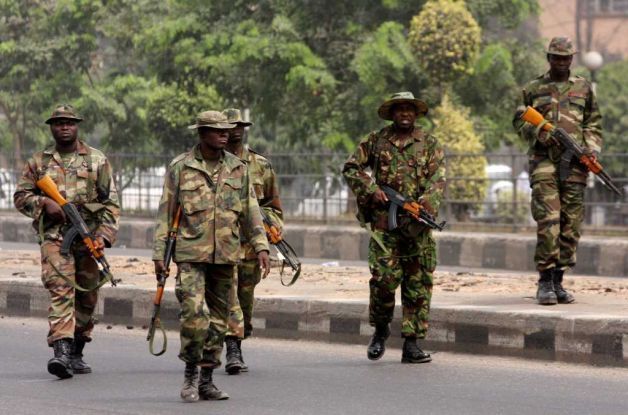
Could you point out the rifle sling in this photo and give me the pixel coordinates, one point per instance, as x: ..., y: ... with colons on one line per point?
x: 151, y: 335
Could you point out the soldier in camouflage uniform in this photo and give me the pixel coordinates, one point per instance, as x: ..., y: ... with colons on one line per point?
x: 567, y: 101
x: 214, y: 191
x: 249, y: 273
x: 410, y: 161
x: 83, y: 176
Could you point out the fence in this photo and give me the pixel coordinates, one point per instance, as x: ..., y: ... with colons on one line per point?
x: 313, y: 190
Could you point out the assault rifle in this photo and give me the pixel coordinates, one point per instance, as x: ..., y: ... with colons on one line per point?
x: 155, y: 321
x: 78, y: 229
x: 571, y: 149
x: 286, y: 253
x: 397, y: 200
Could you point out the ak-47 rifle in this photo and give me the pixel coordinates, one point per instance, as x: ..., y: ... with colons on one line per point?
x: 571, y: 149
x: 78, y: 229
x: 155, y: 321
x: 286, y: 253
x: 397, y: 200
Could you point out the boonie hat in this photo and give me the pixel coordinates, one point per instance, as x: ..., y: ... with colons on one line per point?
x: 211, y: 119
x: 401, y: 98
x: 234, y: 116
x: 562, y: 46
x: 64, y: 111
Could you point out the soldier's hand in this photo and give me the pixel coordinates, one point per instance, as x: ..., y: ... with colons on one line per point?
x: 591, y: 154
x: 379, y: 197
x: 54, y: 211
x: 99, y: 243
x: 160, y: 268
x: 264, y: 263
x: 545, y: 138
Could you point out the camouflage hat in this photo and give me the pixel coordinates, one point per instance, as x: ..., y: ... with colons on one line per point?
x: 212, y: 119
x: 561, y: 45
x: 235, y: 117
x: 401, y: 98
x: 64, y: 111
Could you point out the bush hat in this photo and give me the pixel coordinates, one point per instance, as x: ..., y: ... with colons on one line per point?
x: 211, y: 119
x: 401, y: 98
x: 234, y: 116
x: 64, y: 111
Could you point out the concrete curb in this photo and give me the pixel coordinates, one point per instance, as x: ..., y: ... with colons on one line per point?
x: 596, y: 256
x: 539, y: 334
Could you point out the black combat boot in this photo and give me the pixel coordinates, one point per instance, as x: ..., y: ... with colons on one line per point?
x: 245, y: 367
x: 189, y: 390
x: 206, y: 388
x: 545, y: 294
x: 562, y: 295
x: 234, y: 356
x: 60, y: 365
x: 76, y: 358
x: 412, y: 353
x: 377, y: 347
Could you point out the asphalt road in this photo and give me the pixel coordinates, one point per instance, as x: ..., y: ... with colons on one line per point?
x: 292, y: 377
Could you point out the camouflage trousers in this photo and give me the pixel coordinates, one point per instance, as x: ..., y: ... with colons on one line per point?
x: 558, y: 209
x: 410, y: 262
x: 243, y: 298
x: 70, y: 314
x: 203, y: 293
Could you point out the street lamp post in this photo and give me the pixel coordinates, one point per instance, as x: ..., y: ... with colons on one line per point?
x: 593, y: 61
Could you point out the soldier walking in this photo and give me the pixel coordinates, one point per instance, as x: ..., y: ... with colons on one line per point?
x: 409, y: 160
x: 248, y: 274
x: 568, y: 102
x: 83, y: 176
x: 213, y: 189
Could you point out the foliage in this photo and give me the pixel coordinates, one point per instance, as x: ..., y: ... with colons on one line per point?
x: 504, y: 207
x: 612, y: 93
x: 454, y: 130
x: 446, y: 39
x: 45, y: 49
x: 311, y: 74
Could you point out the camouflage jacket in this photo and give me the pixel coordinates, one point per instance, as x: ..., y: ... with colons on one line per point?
x: 213, y: 213
x: 87, y: 182
x: 571, y: 105
x: 413, y: 166
x: 264, y: 183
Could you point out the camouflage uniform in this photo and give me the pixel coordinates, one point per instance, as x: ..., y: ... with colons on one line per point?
x: 86, y: 180
x: 249, y: 273
x: 217, y: 205
x: 414, y: 167
x: 558, y: 203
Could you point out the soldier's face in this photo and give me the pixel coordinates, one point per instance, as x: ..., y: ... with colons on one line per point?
x: 213, y: 138
x: 559, y: 64
x: 403, y: 115
x: 236, y: 134
x: 64, y: 131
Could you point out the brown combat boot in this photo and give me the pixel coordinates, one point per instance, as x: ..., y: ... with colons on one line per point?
x: 206, y: 388
x: 189, y: 390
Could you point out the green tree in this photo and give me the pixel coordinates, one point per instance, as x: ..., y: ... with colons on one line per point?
x: 446, y: 39
x: 45, y: 54
x: 612, y: 94
x: 466, y: 170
